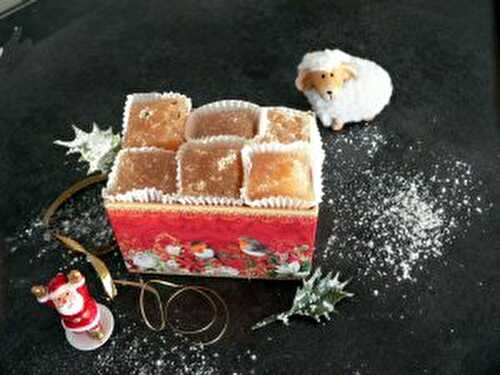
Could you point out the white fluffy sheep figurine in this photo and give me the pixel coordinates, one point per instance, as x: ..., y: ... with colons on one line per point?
x: 342, y: 88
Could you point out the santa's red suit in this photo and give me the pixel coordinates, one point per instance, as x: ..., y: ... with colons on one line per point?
x: 77, y: 309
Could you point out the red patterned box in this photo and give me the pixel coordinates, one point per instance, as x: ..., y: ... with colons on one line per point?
x: 218, y: 241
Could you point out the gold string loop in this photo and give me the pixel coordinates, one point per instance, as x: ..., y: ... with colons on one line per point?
x: 207, y: 293
x: 159, y: 305
x: 199, y: 291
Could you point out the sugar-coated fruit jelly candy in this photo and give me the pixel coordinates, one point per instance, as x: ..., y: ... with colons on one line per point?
x: 139, y: 169
x: 241, y: 122
x: 280, y: 174
x: 285, y: 126
x: 159, y: 122
x: 211, y: 169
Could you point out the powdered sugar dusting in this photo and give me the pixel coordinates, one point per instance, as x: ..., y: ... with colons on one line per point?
x: 224, y: 162
x: 144, y: 356
x: 83, y: 219
x: 407, y: 226
x: 389, y: 218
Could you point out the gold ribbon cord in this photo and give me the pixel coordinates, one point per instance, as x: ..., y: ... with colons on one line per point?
x: 99, y: 266
x: 109, y: 284
x: 164, y: 309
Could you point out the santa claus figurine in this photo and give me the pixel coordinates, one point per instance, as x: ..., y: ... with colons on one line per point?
x: 87, y: 323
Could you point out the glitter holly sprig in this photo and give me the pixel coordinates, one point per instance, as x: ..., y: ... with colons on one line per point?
x: 316, y: 299
x: 98, y: 148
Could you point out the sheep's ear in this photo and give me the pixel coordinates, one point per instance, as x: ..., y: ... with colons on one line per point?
x: 349, y: 70
x: 302, y: 81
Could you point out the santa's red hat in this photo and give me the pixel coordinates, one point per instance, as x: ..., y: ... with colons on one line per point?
x: 57, y: 283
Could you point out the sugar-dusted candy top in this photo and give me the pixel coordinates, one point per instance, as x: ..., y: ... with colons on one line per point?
x: 280, y: 174
x: 241, y: 122
x: 287, y: 126
x: 144, y: 168
x: 210, y: 169
x: 158, y: 122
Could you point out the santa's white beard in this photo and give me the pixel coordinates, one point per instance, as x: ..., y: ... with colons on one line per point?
x: 73, y: 306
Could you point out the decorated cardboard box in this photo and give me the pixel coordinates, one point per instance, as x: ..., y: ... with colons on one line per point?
x: 230, y: 189
x: 242, y: 242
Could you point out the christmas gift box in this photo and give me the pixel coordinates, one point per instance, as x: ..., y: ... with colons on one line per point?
x: 213, y: 240
x: 230, y: 189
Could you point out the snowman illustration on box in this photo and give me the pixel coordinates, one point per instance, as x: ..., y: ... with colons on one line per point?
x: 87, y: 324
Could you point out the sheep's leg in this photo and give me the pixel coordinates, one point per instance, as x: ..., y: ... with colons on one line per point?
x: 338, y: 126
x: 325, y: 119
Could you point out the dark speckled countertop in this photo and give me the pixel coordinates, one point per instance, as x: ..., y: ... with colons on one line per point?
x: 76, y: 61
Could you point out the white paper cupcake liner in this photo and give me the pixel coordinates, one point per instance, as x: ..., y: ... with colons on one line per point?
x: 145, y: 195
x: 219, y: 106
x: 205, y: 199
x: 264, y: 122
x: 282, y: 201
x: 146, y: 97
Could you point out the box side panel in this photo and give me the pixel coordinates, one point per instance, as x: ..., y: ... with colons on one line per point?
x: 256, y: 246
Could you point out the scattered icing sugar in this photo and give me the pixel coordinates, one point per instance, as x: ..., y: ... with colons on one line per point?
x: 224, y: 162
x: 132, y: 348
x: 82, y: 218
x: 404, y: 226
x: 389, y: 218
x: 144, y: 356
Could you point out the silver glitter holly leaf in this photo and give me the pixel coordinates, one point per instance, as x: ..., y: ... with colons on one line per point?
x: 98, y: 148
x: 316, y: 299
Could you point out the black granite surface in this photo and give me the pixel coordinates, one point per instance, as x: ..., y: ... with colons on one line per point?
x: 75, y: 61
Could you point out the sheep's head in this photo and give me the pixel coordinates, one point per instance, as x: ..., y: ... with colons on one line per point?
x: 326, y: 83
